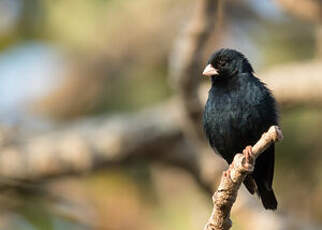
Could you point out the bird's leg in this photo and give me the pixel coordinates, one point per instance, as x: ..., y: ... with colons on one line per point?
x: 249, y: 158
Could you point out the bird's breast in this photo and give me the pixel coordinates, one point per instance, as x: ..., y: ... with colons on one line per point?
x: 230, y: 122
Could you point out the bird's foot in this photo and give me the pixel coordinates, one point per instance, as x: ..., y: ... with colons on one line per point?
x: 249, y: 158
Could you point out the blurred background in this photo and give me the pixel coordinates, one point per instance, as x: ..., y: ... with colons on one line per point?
x: 100, y: 104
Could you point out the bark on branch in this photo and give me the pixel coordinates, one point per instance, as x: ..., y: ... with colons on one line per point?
x: 231, y: 180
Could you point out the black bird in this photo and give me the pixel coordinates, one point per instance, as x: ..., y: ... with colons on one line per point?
x: 238, y: 111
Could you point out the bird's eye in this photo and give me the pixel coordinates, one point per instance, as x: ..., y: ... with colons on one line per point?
x: 222, y: 62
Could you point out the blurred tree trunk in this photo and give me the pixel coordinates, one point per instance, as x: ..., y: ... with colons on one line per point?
x: 186, y: 61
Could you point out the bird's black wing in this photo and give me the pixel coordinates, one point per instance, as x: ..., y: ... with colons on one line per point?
x: 265, y: 115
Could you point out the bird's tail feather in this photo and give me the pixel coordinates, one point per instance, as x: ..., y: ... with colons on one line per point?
x: 267, y: 196
x: 250, y: 184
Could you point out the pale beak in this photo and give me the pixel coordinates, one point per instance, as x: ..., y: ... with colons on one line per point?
x: 209, y: 71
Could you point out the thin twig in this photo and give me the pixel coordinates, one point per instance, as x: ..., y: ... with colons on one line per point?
x: 231, y: 180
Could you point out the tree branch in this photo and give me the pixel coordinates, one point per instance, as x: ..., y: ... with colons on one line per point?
x: 231, y: 180
x: 185, y: 62
x: 100, y: 142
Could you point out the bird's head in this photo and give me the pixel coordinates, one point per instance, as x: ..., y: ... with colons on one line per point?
x: 226, y: 63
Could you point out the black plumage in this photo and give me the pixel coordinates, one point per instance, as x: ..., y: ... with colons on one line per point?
x: 238, y: 111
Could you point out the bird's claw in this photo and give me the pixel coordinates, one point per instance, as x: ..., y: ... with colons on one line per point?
x: 249, y: 160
